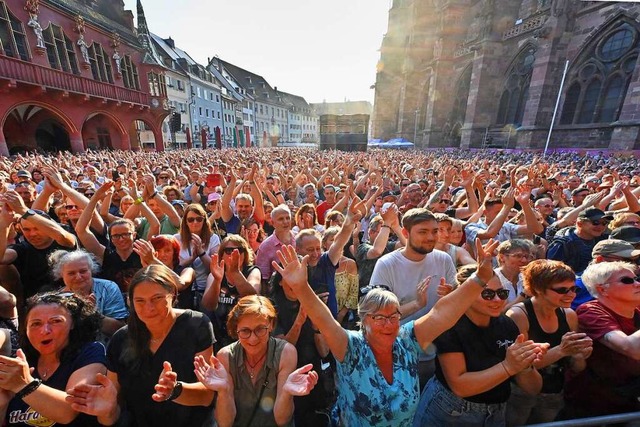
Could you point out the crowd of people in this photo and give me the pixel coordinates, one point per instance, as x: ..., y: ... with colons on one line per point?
x: 275, y: 287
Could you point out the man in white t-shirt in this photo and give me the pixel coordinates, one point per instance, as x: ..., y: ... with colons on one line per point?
x: 405, y: 270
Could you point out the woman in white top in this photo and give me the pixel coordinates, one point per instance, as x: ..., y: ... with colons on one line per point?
x: 197, y: 243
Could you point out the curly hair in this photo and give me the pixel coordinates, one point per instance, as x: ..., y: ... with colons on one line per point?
x: 84, y: 317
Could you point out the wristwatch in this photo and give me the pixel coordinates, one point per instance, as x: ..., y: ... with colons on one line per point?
x: 28, y: 213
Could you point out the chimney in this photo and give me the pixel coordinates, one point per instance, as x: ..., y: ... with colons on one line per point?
x: 170, y: 42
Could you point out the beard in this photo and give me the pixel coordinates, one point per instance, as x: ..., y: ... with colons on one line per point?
x: 421, y: 250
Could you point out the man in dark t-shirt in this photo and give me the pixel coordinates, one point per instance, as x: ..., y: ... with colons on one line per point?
x: 42, y: 236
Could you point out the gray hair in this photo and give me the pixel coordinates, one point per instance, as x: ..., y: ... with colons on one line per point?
x: 375, y: 300
x: 60, y: 258
x: 280, y: 208
x: 599, y: 274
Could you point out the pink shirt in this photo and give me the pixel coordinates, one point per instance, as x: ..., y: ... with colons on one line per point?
x: 267, y: 253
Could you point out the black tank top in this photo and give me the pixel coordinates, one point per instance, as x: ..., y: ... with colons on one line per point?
x: 552, y: 375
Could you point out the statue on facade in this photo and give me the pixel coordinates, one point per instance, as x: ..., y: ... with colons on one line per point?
x: 84, y: 49
x: 117, y: 59
x: 37, y: 29
x: 437, y: 48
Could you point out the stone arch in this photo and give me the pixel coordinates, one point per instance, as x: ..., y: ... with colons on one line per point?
x: 103, y: 130
x: 34, y: 125
x: 142, y: 135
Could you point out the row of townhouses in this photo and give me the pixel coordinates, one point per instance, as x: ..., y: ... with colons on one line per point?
x: 78, y: 74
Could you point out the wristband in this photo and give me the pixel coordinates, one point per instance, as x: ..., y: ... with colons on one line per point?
x: 138, y: 201
x: 29, y: 388
x: 385, y: 226
x: 176, y: 392
x: 505, y: 369
x: 478, y: 280
x: 202, y: 254
x: 153, y: 195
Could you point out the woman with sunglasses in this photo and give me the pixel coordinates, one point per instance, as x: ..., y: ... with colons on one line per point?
x: 197, y: 245
x: 255, y: 377
x: 150, y: 375
x: 233, y: 276
x: 377, y: 367
x: 609, y: 384
x: 477, y: 359
x: 547, y: 317
x: 59, y: 351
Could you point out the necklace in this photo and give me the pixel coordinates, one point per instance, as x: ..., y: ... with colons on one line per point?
x: 251, y: 368
x: 164, y: 335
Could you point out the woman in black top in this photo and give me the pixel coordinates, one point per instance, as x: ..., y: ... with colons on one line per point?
x: 233, y: 276
x: 547, y: 317
x: 476, y: 360
x: 150, y: 372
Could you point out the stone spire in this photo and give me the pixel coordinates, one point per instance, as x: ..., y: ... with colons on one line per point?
x: 144, y: 38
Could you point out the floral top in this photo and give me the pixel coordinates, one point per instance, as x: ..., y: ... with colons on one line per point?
x: 365, y: 398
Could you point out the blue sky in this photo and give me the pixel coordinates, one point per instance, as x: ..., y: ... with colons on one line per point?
x: 321, y: 50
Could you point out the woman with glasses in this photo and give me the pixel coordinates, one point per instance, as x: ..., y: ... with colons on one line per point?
x: 150, y: 374
x: 255, y: 377
x: 624, y: 218
x: 233, y: 276
x: 197, y: 245
x: 609, y: 384
x: 377, y: 367
x: 513, y: 256
x: 547, y: 317
x: 477, y: 358
x: 59, y: 351
x: 252, y: 232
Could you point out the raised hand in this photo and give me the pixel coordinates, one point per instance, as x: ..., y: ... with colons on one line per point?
x: 99, y: 399
x: 216, y: 268
x: 444, y: 288
x: 421, y: 291
x: 301, y: 381
x: 214, y: 376
x: 522, y: 354
x: 145, y: 251
x: 166, y: 383
x: 293, y: 270
x: 508, y: 198
x: 485, y: 258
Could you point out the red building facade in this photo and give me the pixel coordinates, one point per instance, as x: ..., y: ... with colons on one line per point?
x: 75, y: 74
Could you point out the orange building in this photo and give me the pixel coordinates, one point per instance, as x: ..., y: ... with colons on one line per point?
x: 75, y: 74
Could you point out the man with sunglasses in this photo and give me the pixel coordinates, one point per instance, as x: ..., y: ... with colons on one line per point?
x: 610, y: 384
x: 608, y: 250
x: 574, y: 245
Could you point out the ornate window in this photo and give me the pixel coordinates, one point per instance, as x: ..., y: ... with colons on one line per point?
x: 60, y: 50
x: 516, y: 89
x: 13, y: 41
x: 157, y: 86
x: 459, y: 111
x: 100, y: 63
x: 130, y: 73
x: 601, y: 77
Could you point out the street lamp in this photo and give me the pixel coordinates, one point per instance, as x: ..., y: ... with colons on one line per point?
x: 415, y: 127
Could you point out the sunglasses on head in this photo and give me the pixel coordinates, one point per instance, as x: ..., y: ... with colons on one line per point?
x: 193, y: 219
x: 629, y: 280
x: 564, y: 291
x: 229, y: 250
x: 489, y: 294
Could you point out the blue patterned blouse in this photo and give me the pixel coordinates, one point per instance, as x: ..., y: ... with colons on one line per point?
x: 365, y: 398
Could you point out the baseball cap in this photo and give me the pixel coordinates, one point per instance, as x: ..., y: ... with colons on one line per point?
x: 388, y: 194
x: 594, y: 214
x: 178, y: 202
x: 406, y: 168
x: 579, y: 190
x: 24, y: 174
x: 615, y: 247
x: 213, y: 197
x: 628, y: 233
